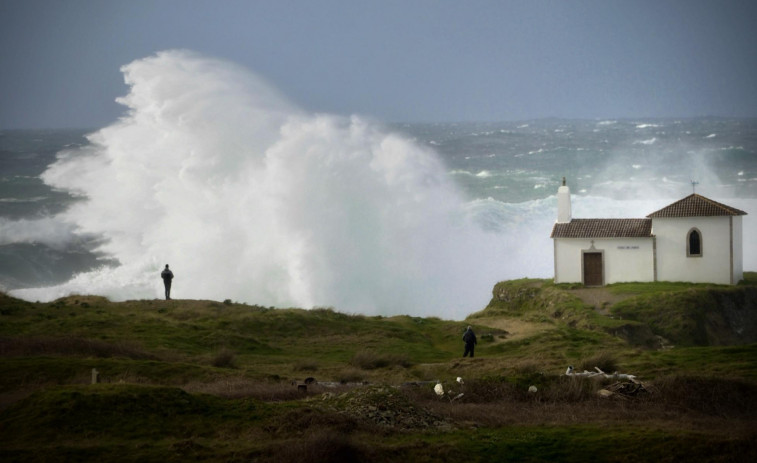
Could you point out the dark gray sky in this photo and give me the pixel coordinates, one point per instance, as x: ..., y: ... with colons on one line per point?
x: 406, y: 60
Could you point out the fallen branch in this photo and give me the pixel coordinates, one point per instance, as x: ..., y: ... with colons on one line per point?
x: 600, y: 374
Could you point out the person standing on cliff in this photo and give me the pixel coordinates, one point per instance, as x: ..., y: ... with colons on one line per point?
x: 469, y: 338
x: 167, y: 276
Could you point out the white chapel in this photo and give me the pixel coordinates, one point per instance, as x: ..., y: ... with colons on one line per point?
x: 694, y: 239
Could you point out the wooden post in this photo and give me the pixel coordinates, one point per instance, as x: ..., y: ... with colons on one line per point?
x: 95, y: 376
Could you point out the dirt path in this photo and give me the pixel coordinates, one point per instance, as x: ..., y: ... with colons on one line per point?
x: 600, y: 298
x: 515, y: 327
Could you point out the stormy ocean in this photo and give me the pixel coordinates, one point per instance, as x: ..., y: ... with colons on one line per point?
x: 250, y: 198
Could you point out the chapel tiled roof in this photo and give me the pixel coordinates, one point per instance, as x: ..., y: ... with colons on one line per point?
x: 603, y: 228
x: 695, y: 205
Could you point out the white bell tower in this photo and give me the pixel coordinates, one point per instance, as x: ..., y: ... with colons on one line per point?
x: 563, y: 203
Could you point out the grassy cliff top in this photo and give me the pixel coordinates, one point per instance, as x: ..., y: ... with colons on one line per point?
x: 206, y: 380
x: 531, y: 324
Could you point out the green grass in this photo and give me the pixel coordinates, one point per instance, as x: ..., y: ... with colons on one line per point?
x: 206, y: 380
x: 696, y: 316
x: 715, y: 361
x: 658, y: 287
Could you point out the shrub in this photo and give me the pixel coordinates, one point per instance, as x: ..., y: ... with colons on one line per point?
x: 605, y: 361
x: 306, y: 365
x: 349, y: 375
x: 224, y: 359
x: 368, y: 360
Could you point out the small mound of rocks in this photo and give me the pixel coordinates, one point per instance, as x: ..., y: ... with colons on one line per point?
x: 384, y: 406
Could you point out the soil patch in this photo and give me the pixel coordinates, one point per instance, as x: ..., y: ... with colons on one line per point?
x: 515, y: 327
x: 600, y: 298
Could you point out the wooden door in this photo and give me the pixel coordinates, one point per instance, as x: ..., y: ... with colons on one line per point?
x: 593, y: 269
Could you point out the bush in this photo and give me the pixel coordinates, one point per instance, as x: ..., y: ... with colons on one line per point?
x: 349, y: 375
x: 306, y: 365
x: 224, y: 359
x: 368, y: 360
x: 605, y: 361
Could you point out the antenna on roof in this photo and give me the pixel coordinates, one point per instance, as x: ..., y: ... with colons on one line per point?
x: 694, y: 184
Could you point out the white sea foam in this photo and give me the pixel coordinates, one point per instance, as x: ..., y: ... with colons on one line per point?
x: 32, y: 199
x: 251, y: 199
x: 49, y: 231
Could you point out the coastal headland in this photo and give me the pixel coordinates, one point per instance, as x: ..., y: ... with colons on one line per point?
x: 86, y: 378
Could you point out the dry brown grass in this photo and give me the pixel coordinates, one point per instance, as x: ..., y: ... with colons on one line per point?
x: 267, y: 391
x: 224, y: 358
x: 306, y: 365
x: 674, y: 403
x: 350, y: 375
x: 605, y: 361
x: 515, y: 328
x: 600, y: 298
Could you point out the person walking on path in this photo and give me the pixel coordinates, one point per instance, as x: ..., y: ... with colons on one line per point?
x: 469, y: 338
x: 167, y: 276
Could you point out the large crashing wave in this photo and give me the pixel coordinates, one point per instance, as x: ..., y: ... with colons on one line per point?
x: 251, y: 199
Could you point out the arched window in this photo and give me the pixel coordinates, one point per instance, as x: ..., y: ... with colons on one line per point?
x: 694, y: 243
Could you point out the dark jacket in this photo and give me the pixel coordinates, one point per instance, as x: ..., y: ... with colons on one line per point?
x: 470, y: 337
x: 167, y: 275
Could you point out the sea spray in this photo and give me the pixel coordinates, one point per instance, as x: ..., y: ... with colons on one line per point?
x: 251, y: 199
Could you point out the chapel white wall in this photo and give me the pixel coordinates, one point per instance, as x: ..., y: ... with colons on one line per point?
x: 713, y: 266
x: 738, y: 250
x: 624, y: 259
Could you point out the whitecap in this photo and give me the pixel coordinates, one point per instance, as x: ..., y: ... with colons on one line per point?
x: 50, y: 231
x: 31, y: 199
